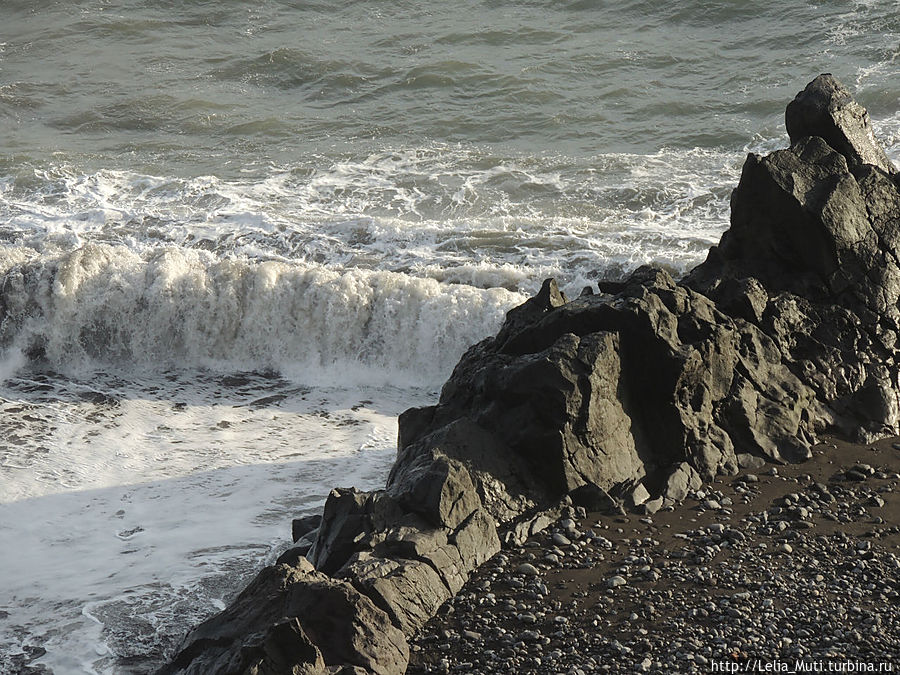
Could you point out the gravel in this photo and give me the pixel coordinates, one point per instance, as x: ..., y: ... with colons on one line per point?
x: 799, y: 563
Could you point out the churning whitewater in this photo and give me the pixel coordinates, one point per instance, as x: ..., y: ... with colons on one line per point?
x: 237, y: 240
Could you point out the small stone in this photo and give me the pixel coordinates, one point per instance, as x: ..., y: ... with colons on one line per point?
x: 784, y: 548
x: 560, y: 539
x: 616, y: 581
x: 639, y: 495
x: 527, y: 568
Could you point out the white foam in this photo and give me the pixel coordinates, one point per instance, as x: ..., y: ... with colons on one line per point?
x: 394, y: 210
x: 183, y: 307
x: 136, y: 516
x: 887, y: 131
x: 11, y: 363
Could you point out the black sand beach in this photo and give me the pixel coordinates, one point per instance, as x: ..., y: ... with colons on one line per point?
x: 737, y: 579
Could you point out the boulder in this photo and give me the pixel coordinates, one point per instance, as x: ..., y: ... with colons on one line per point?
x: 750, y: 462
x: 826, y: 109
x: 680, y: 481
x: 652, y: 506
x: 293, y: 620
x: 638, y: 495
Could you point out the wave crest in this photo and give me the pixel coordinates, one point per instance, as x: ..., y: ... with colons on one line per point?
x: 174, y: 307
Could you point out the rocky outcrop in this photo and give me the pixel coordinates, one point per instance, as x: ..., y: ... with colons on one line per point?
x: 811, y: 259
x: 631, y: 396
x: 613, y: 391
x: 294, y: 620
x: 825, y: 109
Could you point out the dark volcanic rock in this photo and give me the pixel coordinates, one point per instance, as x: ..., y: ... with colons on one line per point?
x: 293, y: 619
x: 826, y: 109
x: 635, y: 394
x: 606, y: 390
x: 812, y: 259
x: 300, y: 527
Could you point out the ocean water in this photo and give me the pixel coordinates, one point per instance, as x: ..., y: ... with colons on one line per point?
x: 238, y: 239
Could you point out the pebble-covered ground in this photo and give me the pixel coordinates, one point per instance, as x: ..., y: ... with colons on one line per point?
x: 790, y: 569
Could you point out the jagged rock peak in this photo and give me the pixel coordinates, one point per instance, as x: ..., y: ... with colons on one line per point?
x: 826, y: 109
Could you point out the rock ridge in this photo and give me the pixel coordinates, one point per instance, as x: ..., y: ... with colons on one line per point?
x: 625, y: 397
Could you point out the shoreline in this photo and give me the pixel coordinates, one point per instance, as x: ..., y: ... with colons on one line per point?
x: 688, y: 575
x: 636, y: 395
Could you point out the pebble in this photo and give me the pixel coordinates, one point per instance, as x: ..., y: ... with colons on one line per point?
x: 823, y: 595
x: 527, y: 568
x: 560, y: 539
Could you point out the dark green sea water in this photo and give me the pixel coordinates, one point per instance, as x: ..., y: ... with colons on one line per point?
x: 570, y: 138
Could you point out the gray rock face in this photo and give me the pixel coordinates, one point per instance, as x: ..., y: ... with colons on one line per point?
x: 294, y: 620
x: 826, y: 109
x: 632, y: 395
x: 815, y: 241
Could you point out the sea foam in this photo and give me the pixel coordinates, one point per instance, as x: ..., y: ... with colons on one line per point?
x: 185, y: 307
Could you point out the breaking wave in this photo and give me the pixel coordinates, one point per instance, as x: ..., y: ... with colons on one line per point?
x: 180, y: 307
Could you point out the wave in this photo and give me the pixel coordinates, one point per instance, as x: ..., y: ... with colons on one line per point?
x: 171, y: 307
x: 419, y: 211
